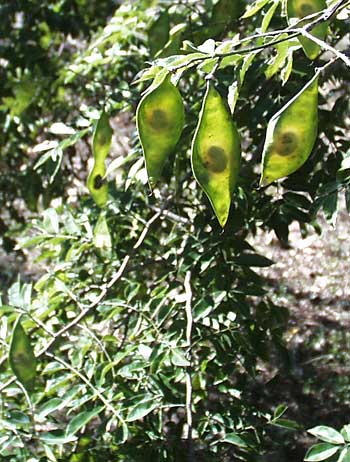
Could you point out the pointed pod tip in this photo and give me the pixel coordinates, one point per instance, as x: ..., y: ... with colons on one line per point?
x: 263, y: 182
x: 222, y: 220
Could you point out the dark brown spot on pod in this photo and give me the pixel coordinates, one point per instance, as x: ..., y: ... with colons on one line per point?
x: 216, y: 159
x: 286, y: 143
x: 98, y: 182
x: 102, y: 139
x: 159, y: 119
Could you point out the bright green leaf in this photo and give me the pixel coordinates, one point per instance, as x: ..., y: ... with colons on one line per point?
x: 80, y: 420
x: 141, y: 409
x: 254, y: 8
x: 320, y: 451
x: 21, y: 356
x: 327, y: 434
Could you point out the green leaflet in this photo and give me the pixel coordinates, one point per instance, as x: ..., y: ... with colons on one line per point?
x: 216, y: 153
x: 160, y: 120
x: 21, y: 356
x: 224, y: 14
x: 291, y: 135
x: 172, y: 47
x: 298, y: 9
x: 158, y: 33
x: 102, y: 237
x: 101, y: 144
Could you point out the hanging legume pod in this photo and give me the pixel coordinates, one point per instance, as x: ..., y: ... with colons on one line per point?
x: 101, y: 145
x: 291, y: 135
x: 216, y: 153
x: 21, y: 357
x: 298, y: 9
x: 160, y: 120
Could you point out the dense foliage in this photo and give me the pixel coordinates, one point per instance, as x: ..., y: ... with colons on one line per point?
x: 151, y: 322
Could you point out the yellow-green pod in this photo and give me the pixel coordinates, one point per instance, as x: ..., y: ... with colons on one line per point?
x: 101, y: 145
x: 291, y: 135
x: 160, y: 120
x: 21, y: 357
x: 298, y: 9
x: 216, y: 153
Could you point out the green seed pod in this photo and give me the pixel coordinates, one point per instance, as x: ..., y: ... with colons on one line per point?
x: 21, y: 357
x: 298, y: 9
x: 291, y: 135
x: 101, y: 145
x: 216, y: 153
x: 160, y: 120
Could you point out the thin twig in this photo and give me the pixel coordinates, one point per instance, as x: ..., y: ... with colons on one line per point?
x: 7, y: 384
x: 189, y: 325
x: 99, y: 343
x: 30, y: 405
x: 234, y: 52
x: 89, y: 384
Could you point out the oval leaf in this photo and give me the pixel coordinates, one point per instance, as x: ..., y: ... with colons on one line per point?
x: 344, y: 456
x: 233, y: 438
x: 80, y: 420
x: 158, y: 33
x: 102, y: 237
x: 320, y: 451
x: 345, y: 431
x: 21, y: 357
x: 253, y: 259
x: 327, y: 434
x: 140, y: 410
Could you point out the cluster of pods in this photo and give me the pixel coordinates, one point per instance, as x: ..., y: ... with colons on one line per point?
x: 216, y: 147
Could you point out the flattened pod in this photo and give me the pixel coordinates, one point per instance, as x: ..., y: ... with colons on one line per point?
x: 291, y: 135
x: 101, y: 145
x: 21, y: 357
x: 216, y: 153
x: 298, y: 9
x: 160, y: 120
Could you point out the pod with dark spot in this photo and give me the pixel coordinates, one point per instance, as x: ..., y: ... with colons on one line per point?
x: 298, y: 9
x: 21, y: 356
x: 101, y: 145
x: 160, y: 120
x: 291, y: 135
x: 216, y: 153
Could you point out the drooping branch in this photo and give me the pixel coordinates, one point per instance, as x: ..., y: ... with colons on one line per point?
x: 291, y: 31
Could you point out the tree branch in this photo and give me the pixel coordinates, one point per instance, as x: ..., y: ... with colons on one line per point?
x: 292, y: 32
x: 326, y: 46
